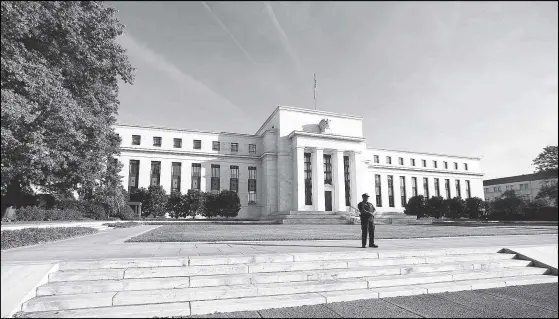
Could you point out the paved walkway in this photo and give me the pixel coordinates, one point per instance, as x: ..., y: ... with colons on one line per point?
x: 111, y: 244
x: 534, y: 301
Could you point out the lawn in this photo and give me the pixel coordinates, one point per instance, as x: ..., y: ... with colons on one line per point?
x: 214, y: 233
x: 32, y: 236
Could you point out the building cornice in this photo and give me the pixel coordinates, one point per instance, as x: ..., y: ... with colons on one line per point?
x: 416, y: 169
x: 326, y: 136
x: 308, y: 111
x: 424, y: 153
x: 189, y: 153
x: 157, y: 128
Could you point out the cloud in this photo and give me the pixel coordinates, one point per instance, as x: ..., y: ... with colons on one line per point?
x: 285, y: 40
x: 196, y: 90
x: 227, y: 30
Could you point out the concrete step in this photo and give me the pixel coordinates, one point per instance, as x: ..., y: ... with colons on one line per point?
x: 388, y: 256
x: 142, y: 297
x: 259, y: 302
x: 313, y: 221
x: 329, y: 216
x: 266, y: 272
x: 375, y: 278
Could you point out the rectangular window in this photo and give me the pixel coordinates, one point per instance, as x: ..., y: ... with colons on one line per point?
x: 465, y: 166
x: 468, y: 192
x: 175, y: 177
x: 447, y: 188
x: 215, y: 179
x: 196, y: 175
x: 133, y: 174
x: 215, y: 146
x: 424, y: 163
x: 445, y: 165
x: 412, y: 160
x: 414, y: 186
x: 435, y: 164
x: 426, y: 187
x: 401, y: 160
x: 347, y: 181
x: 155, y: 173
x: 388, y: 160
x: 458, y: 193
x: 437, y: 188
x: 455, y: 165
x: 157, y: 141
x: 136, y: 139
x: 494, y: 189
x: 308, y: 178
x: 328, y: 169
x: 197, y: 144
x: 252, y: 148
x: 252, y: 185
x: 177, y: 142
x: 378, y: 191
x: 403, y: 191
x: 390, y: 191
x: 234, y: 147
x: 234, y: 180
x: 375, y: 157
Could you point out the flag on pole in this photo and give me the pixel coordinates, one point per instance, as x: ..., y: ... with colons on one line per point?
x: 315, y: 86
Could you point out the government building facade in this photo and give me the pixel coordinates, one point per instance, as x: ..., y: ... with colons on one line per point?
x: 299, y: 160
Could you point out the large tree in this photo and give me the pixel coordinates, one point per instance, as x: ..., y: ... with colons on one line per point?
x: 61, y: 66
x: 547, y: 162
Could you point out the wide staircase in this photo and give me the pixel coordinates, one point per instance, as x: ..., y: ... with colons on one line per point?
x: 207, y: 284
x: 309, y: 217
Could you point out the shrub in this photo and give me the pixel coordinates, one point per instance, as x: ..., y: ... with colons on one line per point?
x: 229, y: 203
x: 416, y: 206
x: 123, y: 225
x: 457, y: 207
x: 63, y: 214
x: 32, y: 236
x: 474, y: 207
x: 209, y: 204
x: 30, y: 213
x: 126, y: 213
x: 177, y: 205
x: 508, y: 204
x: 155, y: 202
x: 435, y: 207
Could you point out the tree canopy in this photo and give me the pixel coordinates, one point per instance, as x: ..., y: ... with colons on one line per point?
x: 546, y: 161
x: 61, y: 66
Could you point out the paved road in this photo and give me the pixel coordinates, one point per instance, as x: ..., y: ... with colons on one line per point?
x: 534, y: 301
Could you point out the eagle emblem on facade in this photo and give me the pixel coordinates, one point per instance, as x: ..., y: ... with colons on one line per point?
x: 324, y: 125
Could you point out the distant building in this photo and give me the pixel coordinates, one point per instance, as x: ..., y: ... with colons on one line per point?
x: 526, y: 186
x: 299, y: 160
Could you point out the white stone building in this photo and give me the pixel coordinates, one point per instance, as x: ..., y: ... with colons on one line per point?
x: 526, y: 186
x: 299, y: 160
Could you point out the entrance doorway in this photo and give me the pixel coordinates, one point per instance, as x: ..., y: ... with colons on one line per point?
x: 328, y: 200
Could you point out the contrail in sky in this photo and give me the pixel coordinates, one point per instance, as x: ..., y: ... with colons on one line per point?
x: 284, y: 39
x: 226, y: 30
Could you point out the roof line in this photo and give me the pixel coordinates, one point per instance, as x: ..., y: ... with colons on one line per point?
x: 424, y: 153
x: 183, y: 130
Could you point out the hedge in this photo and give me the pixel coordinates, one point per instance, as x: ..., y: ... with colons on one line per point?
x: 122, y: 225
x: 32, y: 236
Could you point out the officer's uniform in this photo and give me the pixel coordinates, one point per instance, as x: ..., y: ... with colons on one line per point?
x: 366, y: 210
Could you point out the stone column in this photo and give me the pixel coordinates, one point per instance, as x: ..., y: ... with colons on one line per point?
x: 144, y: 178
x: 318, y: 179
x: 298, y: 176
x: 186, y: 176
x: 338, y: 181
x: 125, y: 171
x: 355, y: 197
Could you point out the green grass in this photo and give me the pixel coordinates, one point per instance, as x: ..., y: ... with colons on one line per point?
x: 32, y: 236
x: 216, y: 232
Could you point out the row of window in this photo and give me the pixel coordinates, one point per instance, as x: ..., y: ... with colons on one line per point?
x: 327, y: 162
x: 498, y: 189
x: 412, y: 162
x: 196, y: 144
x: 196, y: 175
x: 403, y: 195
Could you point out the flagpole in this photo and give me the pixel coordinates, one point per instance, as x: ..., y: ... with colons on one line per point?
x: 315, y: 91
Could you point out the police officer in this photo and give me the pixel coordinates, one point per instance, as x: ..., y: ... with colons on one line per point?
x: 366, y: 211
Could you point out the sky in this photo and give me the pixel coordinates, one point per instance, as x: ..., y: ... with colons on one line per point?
x: 461, y: 78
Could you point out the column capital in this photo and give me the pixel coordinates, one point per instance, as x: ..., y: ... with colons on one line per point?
x: 316, y: 149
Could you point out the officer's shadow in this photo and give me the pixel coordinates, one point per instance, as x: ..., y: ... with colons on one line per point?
x: 285, y: 245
